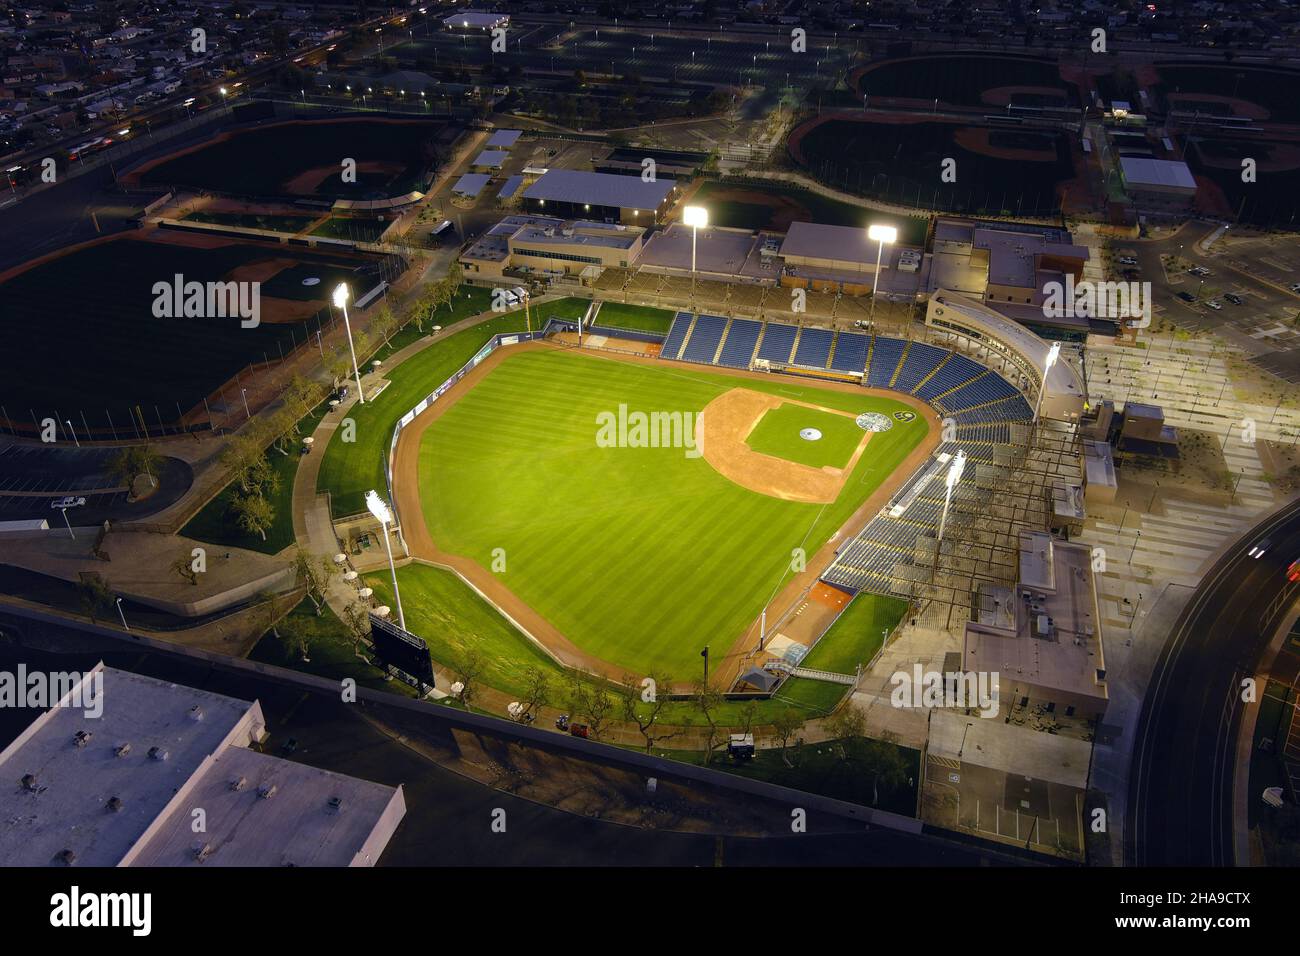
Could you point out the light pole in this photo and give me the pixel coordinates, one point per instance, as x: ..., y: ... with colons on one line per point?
x: 341, y: 300
x: 72, y: 431
x: 243, y: 393
x: 1052, y: 355
x: 379, y: 508
x: 955, y: 469
x: 68, y: 523
x: 122, y: 615
x: 882, y: 234
x: 695, y: 217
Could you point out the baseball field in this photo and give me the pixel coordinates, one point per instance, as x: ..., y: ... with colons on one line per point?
x: 637, y: 555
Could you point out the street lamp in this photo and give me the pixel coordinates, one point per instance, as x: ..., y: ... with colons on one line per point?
x: 950, y: 482
x: 1052, y: 355
x: 695, y: 217
x: 243, y: 393
x: 71, y: 534
x: 379, y: 508
x: 122, y: 615
x: 882, y: 234
x: 341, y: 301
x: 72, y: 431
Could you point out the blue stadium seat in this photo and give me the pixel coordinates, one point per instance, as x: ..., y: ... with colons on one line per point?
x: 673, y: 344
x: 778, y: 340
x: 704, y: 339
x: 885, y: 354
x: 921, y: 361
x: 738, y: 348
x: 814, y: 347
x: 850, y: 352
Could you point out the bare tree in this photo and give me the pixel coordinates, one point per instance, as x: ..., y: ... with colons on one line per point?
x: 470, y: 671
x: 253, y: 514
x: 184, y: 566
x: 708, y: 702
x: 314, y: 573
x: 94, y: 595
x: 537, y: 689
x: 786, y: 724
x: 642, y: 707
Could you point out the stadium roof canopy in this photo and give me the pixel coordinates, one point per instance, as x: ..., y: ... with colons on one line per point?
x: 504, y: 138
x: 471, y: 184
x: 600, y: 189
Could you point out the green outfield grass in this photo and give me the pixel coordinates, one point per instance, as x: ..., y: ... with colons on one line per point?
x: 856, y: 634
x: 777, y: 434
x: 641, y: 556
x: 351, y: 469
x: 636, y: 317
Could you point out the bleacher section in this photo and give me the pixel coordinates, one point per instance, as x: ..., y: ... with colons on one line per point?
x: 850, y: 352
x: 814, y: 347
x: 885, y: 354
x: 921, y: 360
x: 981, y: 391
x: 676, y: 335
x: 1013, y: 409
x: 778, y: 340
x: 738, y: 349
x: 703, y: 343
x: 957, y: 371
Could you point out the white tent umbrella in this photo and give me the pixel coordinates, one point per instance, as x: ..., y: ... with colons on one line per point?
x: 382, y: 611
x: 350, y: 575
x: 309, y: 440
x: 365, y: 593
x: 340, y: 558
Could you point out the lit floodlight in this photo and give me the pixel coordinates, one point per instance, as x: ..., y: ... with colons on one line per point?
x: 956, y: 468
x: 1052, y: 354
x: 882, y: 233
x: 340, y: 295
x: 695, y: 216
x: 379, y: 508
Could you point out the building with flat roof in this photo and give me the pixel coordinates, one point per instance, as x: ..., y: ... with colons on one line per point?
x: 551, y: 247
x: 1012, y: 268
x: 843, y: 259
x: 730, y: 255
x: 490, y: 159
x: 1158, y: 185
x: 576, y: 194
x: 503, y: 138
x: 100, y: 786
x: 1051, y: 655
x: 470, y: 185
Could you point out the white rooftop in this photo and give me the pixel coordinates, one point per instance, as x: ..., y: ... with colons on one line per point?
x: 493, y: 158
x: 504, y: 138
x: 471, y: 184
x: 1164, y: 173
x: 600, y: 189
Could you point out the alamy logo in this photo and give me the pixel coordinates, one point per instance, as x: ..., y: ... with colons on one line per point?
x: 74, y: 908
x: 627, y: 429
x: 179, y: 299
x: 1105, y: 300
x: 976, y: 690
x: 43, y: 690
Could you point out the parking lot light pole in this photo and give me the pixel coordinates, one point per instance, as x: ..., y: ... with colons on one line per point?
x: 379, y: 508
x: 72, y: 431
x: 122, y: 615
x: 243, y: 393
x: 341, y: 300
x: 68, y: 523
x: 882, y: 234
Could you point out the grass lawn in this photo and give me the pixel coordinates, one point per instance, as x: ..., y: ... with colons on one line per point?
x: 451, y: 618
x: 817, y: 696
x: 639, y: 555
x: 329, y: 648
x: 215, y: 521
x: 252, y: 220
x: 856, y: 634
x: 636, y: 317
x: 777, y: 434
x: 347, y: 227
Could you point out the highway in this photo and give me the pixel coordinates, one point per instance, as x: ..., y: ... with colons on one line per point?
x: 1181, y: 785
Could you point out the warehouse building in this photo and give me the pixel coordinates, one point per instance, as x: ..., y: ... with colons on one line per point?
x: 551, y: 248
x: 1161, y: 186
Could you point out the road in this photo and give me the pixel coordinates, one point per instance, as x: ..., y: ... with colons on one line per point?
x: 1181, y: 785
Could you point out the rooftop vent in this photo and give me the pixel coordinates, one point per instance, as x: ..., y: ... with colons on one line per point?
x: 82, y: 737
x: 67, y: 857
x: 29, y: 781
x: 157, y: 753
x: 123, y: 749
x: 202, y: 851
x: 239, y: 784
x: 115, y: 804
x: 336, y: 804
x: 267, y: 790
x: 196, y: 712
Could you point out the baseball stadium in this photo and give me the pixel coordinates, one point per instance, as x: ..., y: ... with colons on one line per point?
x: 636, y: 501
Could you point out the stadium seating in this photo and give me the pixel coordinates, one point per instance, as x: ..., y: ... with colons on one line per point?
x: 676, y: 335
x: 704, y: 340
x: 850, y: 352
x: 921, y: 360
x: 814, y: 347
x: 885, y: 354
x: 738, y: 347
x: 981, y: 391
x: 778, y: 340
x: 957, y: 371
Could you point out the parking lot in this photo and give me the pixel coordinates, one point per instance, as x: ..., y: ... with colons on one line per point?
x: 32, y: 477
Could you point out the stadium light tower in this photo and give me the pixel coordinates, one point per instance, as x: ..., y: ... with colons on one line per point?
x: 379, y: 508
x: 882, y: 234
x: 1052, y: 354
x: 341, y: 300
x: 695, y: 217
x: 955, y: 469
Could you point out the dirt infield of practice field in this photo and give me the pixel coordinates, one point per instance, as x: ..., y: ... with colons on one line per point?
x: 421, y: 546
x: 309, y: 181
x: 726, y: 422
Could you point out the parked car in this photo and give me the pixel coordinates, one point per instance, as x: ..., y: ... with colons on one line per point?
x: 562, y: 722
x: 1200, y: 272
x: 579, y: 730
x: 69, y: 501
x: 1127, y: 261
x: 1234, y: 298
x: 1187, y: 297
x: 1212, y: 304
x: 341, y: 394
x: 1295, y: 287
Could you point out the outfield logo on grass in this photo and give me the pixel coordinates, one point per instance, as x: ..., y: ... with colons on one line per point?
x: 179, y: 299
x: 635, y: 429
x: 45, y: 689
x: 973, y: 690
x: 1106, y: 300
